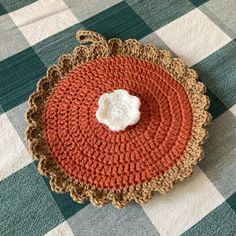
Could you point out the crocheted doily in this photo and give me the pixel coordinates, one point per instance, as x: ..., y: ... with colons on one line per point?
x: 86, y: 158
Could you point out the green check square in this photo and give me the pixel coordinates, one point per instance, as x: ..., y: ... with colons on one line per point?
x: 159, y: 13
x: 27, y: 206
x: 18, y: 77
x: 198, y: 3
x: 232, y: 201
x: 65, y: 203
x: 217, y: 71
x: 13, y: 5
x: 216, y: 106
x: 2, y: 10
x: 118, y: 21
x: 220, y: 221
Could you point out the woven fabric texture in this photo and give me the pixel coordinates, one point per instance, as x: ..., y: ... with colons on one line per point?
x: 34, y: 34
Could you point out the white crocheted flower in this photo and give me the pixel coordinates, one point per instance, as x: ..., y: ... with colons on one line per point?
x: 118, y: 109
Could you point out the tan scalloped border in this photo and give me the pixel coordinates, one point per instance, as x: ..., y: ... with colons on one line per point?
x: 97, y: 46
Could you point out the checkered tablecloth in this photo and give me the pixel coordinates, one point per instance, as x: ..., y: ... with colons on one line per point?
x: 33, y: 34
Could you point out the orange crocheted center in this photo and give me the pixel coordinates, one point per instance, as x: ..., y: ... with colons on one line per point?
x: 93, y: 154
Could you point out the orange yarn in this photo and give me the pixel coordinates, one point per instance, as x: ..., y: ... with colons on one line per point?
x: 89, y: 151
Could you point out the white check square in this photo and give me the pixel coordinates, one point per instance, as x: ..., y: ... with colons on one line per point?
x: 233, y: 109
x: 193, y: 37
x: 62, y: 229
x: 14, y: 155
x: 42, y: 19
x: 175, y: 212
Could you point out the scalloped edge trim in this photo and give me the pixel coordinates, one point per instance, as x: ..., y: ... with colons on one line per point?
x: 100, y: 47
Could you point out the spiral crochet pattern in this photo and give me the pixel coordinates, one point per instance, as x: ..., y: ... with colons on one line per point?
x: 86, y: 158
